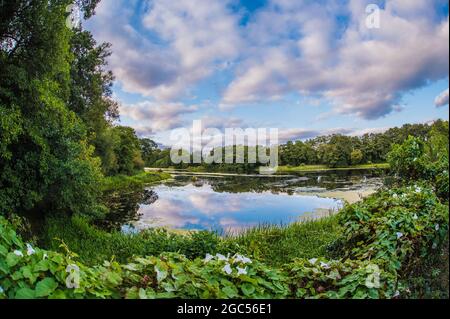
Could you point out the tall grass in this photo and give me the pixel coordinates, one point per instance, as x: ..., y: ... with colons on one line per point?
x: 94, y: 245
x: 277, y: 245
x: 274, y: 245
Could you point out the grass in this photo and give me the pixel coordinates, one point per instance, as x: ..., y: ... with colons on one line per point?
x: 271, y: 244
x: 94, y: 245
x: 125, y: 181
x: 321, y: 168
x: 277, y: 245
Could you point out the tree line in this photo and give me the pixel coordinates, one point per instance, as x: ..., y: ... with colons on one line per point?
x: 58, y: 122
x: 334, y: 151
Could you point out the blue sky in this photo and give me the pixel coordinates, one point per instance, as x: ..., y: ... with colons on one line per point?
x: 304, y: 67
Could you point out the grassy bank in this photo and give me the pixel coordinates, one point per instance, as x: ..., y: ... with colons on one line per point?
x: 281, y: 169
x: 125, y: 181
x: 324, y: 168
x: 277, y: 246
x: 94, y: 245
x: 270, y: 244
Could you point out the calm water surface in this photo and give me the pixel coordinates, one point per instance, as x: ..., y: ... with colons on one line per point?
x: 230, y: 204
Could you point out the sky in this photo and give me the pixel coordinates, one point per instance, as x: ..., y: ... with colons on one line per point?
x: 307, y: 68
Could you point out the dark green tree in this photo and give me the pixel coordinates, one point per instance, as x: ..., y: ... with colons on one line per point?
x: 46, y: 162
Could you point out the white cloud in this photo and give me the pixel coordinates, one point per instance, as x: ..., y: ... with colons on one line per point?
x: 295, y: 134
x: 186, y: 41
x: 165, y: 48
x: 363, y: 72
x: 154, y: 117
x: 442, y: 99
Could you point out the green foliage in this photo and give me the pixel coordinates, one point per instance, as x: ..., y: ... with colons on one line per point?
x: 428, y: 161
x: 95, y: 245
x: 46, y: 162
x: 407, y: 160
x: 333, y: 151
x: 385, y: 238
x: 357, y: 157
x: 128, y: 148
x: 277, y: 246
x: 134, y: 181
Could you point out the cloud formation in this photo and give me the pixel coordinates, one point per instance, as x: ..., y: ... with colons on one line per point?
x: 361, y: 71
x: 163, y: 49
x: 156, y: 117
x: 441, y: 99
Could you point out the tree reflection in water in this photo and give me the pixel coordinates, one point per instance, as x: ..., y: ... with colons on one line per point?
x: 124, y: 206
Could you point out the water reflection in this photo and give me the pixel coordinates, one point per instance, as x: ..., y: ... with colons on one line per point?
x: 192, y: 207
x: 230, y: 203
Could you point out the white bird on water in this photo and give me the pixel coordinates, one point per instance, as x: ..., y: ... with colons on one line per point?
x: 365, y: 179
x: 319, y: 179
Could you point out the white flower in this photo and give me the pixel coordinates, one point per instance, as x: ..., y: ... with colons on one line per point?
x: 242, y: 271
x: 313, y: 261
x: 418, y: 190
x: 221, y: 257
x: 415, y: 217
x: 45, y: 256
x: 436, y: 227
x: 399, y: 235
x: 395, y: 196
x: 227, y: 269
x: 324, y: 265
x: 208, y: 258
x: 242, y: 259
x: 1, y: 290
x: 18, y: 253
x: 30, y: 250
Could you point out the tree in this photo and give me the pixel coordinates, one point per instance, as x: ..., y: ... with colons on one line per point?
x: 406, y: 160
x: 90, y: 94
x: 128, y: 150
x: 148, y: 149
x: 357, y: 157
x: 46, y: 162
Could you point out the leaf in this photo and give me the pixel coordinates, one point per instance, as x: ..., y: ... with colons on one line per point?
x: 45, y: 287
x: 161, y: 274
x: 230, y: 291
x: 113, y: 278
x: 58, y: 294
x: 12, y: 259
x: 3, y: 250
x: 25, y: 293
x: 247, y: 289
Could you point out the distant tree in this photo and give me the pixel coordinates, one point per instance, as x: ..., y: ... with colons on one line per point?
x: 128, y: 150
x: 148, y: 149
x: 357, y: 157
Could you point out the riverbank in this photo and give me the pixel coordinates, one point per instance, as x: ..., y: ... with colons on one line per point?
x: 324, y: 168
x: 281, y: 170
x: 138, y: 180
x: 272, y: 244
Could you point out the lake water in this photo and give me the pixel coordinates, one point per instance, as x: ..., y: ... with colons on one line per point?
x: 232, y: 203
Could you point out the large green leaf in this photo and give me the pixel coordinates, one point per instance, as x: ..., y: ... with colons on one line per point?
x: 25, y: 293
x: 45, y: 287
